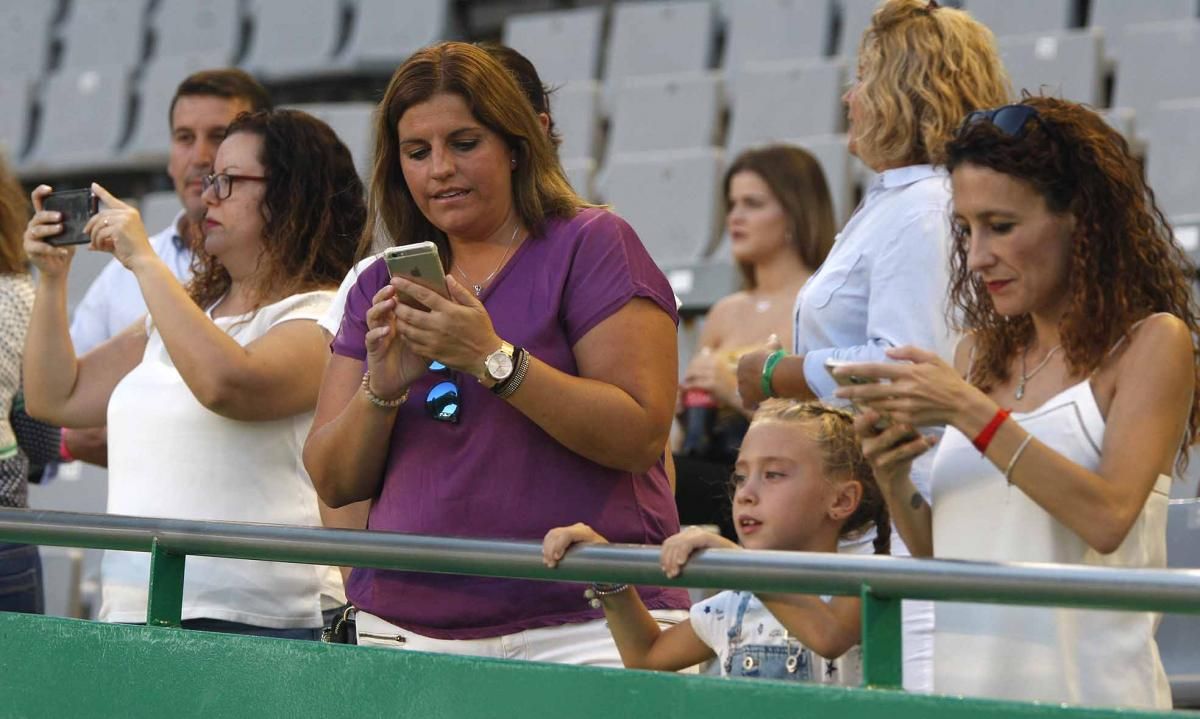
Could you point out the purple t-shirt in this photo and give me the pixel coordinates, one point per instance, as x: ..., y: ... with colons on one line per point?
x: 498, y: 475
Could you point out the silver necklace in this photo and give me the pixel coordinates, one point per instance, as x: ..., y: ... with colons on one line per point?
x: 478, y: 287
x: 1026, y: 376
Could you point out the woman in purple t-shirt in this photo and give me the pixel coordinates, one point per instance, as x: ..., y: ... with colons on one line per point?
x: 558, y: 344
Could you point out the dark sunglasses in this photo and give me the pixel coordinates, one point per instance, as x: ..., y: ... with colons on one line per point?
x: 442, y: 401
x: 1010, y: 119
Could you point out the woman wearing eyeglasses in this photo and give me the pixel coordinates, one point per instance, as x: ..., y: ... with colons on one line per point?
x: 208, y: 399
x: 921, y: 68
x: 553, y: 388
x: 1067, y: 408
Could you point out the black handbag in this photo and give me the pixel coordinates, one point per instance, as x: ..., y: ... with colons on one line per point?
x: 38, y: 441
x: 342, y: 629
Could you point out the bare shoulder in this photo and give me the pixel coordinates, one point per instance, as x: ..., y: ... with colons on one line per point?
x: 1162, y: 340
x: 723, y: 315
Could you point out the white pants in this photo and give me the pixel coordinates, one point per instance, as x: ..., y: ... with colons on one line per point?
x: 585, y: 643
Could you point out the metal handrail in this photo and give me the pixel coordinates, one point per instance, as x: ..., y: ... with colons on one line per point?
x: 1170, y: 590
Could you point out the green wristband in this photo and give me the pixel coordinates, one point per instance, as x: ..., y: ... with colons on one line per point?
x: 769, y: 371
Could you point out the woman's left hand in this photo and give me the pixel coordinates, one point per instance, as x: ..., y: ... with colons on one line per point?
x: 707, y: 371
x: 921, y: 391
x: 118, y: 229
x: 456, y: 332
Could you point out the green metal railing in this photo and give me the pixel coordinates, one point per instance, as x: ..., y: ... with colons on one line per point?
x: 881, y: 582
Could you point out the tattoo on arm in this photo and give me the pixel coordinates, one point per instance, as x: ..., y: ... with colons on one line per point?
x: 917, y: 501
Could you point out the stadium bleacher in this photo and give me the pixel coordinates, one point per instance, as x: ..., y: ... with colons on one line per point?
x: 653, y: 97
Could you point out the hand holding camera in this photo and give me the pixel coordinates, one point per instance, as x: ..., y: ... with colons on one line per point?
x: 64, y: 219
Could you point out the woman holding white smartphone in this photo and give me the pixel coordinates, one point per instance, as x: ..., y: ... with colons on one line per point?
x: 922, y: 67
x: 208, y: 398
x: 494, y: 413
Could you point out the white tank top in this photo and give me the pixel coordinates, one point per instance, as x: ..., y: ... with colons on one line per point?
x: 1035, y: 653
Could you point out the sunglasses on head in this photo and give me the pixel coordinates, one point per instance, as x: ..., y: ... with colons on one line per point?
x: 442, y: 403
x: 1009, y: 119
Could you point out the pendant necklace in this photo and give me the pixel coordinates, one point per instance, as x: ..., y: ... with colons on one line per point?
x: 1020, y: 393
x: 479, y: 287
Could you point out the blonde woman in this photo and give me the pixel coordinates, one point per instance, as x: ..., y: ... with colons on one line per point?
x: 922, y: 68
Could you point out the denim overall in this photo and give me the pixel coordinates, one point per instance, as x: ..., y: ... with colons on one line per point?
x: 792, y: 662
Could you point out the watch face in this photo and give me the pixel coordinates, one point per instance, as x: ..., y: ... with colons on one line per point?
x: 499, y: 365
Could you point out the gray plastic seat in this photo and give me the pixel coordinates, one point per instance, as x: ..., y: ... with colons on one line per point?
x: 352, y: 121
x: 1187, y: 234
x: 83, y: 119
x: 1179, y: 635
x: 833, y: 154
x: 575, y: 108
x: 580, y: 172
x: 150, y: 141
x: 1063, y: 64
x: 185, y: 27
x: 659, y: 38
x: 1023, y: 17
x: 672, y: 200
x: 665, y: 112
x: 104, y: 32
x: 25, y: 38
x: 385, y: 32
x: 1114, y: 16
x: 1159, y: 63
x: 293, y: 38
x: 855, y: 17
x: 15, y: 98
x: 776, y: 101
x: 770, y: 30
x: 563, y: 45
x: 1173, y: 156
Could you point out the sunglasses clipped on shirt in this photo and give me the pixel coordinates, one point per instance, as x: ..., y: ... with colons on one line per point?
x: 443, y: 401
x: 1009, y: 119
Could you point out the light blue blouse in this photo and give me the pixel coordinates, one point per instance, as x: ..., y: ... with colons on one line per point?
x: 884, y: 283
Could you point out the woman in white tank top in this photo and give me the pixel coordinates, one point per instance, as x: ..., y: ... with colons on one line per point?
x: 1066, y: 408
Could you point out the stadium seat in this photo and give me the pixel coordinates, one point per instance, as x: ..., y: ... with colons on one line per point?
x: 150, y: 141
x: 580, y: 172
x: 769, y: 30
x: 352, y: 121
x: 672, y: 199
x: 1178, y: 634
x: 72, y: 140
x: 1064, y: 64
x: 574, y: 108
x: 185, y: 27
x: 293, y: 39
x: 1024, y: 17
x: 104, y: 32
x: 158, y: 209
x: 700, y: 285
x: 385, y: 32
x: 15, y: 97
x: 659, y: 38
x: 833, y: 154
x: 1173, y: 156
x: 25, y: 38
x: 1114, y: 16
x: 855, y: 17
x: 564, y: 45
x: 775, y: 101
x: 665, y: 112
x: 1159, y: 63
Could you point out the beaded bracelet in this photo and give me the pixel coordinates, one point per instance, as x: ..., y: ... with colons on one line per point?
x: 376, y: 399
x: 594, y: 593
x: 768, y: 372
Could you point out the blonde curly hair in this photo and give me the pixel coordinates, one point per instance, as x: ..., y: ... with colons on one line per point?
x: 921, y: 69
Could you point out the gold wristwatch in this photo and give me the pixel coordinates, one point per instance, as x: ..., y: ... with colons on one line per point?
x: 498, y: 366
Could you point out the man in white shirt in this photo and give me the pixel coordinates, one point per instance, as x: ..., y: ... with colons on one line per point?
x: 203, y: 106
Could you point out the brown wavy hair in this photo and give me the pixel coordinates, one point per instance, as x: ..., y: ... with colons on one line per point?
x: 832, y: 429
x: 796, y: 179
x: 921, y: 69
x: 313, y: 209
x: 539, y: 186
x: 1125, y: 264
x: 14, y: 213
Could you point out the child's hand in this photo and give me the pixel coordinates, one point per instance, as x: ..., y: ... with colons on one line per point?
x: 560, y: 539
x: 679, y: 548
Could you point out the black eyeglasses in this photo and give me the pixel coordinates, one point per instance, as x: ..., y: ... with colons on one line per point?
x: 224, y: 183
x: 443, y: 400
x: 1009, y: 119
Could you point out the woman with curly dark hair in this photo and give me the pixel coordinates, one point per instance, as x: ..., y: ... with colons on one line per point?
x: 1072, y: 399
x: 208, y: 399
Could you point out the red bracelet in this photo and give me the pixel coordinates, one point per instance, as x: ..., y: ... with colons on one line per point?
x: 64, y: 454
x: 984, y: 438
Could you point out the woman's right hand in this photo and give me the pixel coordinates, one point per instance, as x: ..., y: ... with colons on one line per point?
x: 393, y: 366
x: 679, y: 548
x: 891, y: 452
x: 50, y: 261
x: 558, y: 540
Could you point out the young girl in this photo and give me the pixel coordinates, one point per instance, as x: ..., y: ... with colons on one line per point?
x: 800, y: 483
